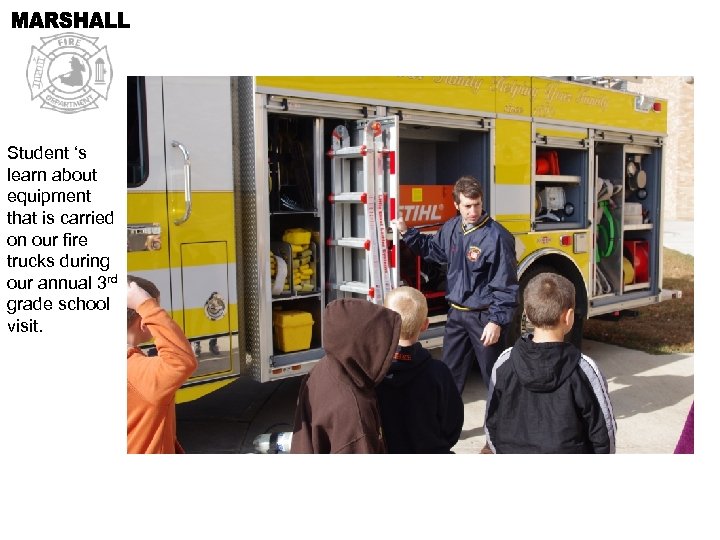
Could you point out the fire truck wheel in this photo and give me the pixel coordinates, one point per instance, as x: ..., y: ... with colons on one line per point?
x: 521, y: 326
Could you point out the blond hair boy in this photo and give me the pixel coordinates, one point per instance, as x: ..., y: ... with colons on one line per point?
x: 412, y: 307
x: 420, y: 406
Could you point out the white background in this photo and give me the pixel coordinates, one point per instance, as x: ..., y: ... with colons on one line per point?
x: 64, y: 467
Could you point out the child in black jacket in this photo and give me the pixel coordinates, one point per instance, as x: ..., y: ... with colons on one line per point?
x: 420, y: 406
x: 546, y: 397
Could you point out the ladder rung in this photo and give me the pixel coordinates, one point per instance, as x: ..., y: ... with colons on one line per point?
x: 350, y: 197
x: 349, y: 152
x: 358, y: 243
x: 357, y: 287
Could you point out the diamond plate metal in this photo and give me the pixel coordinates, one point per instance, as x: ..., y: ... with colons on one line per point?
x: 246, y: 200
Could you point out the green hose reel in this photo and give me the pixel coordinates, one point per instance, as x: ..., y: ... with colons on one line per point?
x: 606, y: 232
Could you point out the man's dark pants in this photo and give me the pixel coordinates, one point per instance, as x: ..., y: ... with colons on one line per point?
x: 462, y: 338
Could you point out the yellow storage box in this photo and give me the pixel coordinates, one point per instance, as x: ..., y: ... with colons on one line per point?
x: 292, y: 330
x: 297, y: 236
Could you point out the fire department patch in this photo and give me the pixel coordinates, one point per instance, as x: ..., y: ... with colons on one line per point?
x: 69, y: 73
x: 215, y: 307
x: 473, y: 253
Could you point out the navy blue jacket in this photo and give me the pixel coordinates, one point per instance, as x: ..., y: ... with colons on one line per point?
x: 482, y: 266
x: 420, y: 406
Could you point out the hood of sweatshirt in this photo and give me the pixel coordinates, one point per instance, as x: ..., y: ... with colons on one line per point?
x: 361, y: 337
x: 408, y: 363
x: 543, y: 367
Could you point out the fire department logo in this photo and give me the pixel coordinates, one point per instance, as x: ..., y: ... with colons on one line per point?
x: 473, y: 254
x: 69, y: 73
x: 215, y: 307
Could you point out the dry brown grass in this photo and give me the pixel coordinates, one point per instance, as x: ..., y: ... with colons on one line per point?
x: 664, y: 328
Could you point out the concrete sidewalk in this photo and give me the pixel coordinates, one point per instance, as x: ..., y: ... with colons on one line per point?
x: 680, y: 236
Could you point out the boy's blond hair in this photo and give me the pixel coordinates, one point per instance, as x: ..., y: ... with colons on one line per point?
x: 412, y: 306
x: 546, y: 297
x: 148, y: 286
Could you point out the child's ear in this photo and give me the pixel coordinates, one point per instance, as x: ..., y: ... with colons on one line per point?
x: 425, y: 325
x: 569, y: 319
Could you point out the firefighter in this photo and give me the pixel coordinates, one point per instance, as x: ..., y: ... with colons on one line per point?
x: 482, y: 284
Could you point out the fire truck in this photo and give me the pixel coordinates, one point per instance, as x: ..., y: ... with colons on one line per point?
x: 254, y: 201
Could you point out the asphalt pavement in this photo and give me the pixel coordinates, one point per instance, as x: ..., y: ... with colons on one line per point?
x: 651, y: 396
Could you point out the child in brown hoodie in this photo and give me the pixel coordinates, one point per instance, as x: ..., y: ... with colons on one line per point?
x: 152, y: 381
x: 337, y: 409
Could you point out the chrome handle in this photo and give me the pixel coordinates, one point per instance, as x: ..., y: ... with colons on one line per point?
x: 188, y: 183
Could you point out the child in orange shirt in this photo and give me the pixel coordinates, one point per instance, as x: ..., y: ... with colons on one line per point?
x: 152, y: 381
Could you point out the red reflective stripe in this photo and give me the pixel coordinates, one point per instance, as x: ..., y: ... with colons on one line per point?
x: 392, y: 162
x: 392, y: 257
x: 392, y: 208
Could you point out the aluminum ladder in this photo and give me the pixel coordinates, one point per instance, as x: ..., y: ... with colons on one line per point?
x: 355, y: 232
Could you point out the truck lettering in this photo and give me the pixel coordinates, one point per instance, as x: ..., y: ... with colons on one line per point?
x: 508, y: 86
x: 421, y: 212
x: 585, y: 98
x: 474, y: 83
x: 553, y: 92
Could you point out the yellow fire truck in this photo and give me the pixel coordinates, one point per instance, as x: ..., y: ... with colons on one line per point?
x: 254, y: 201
